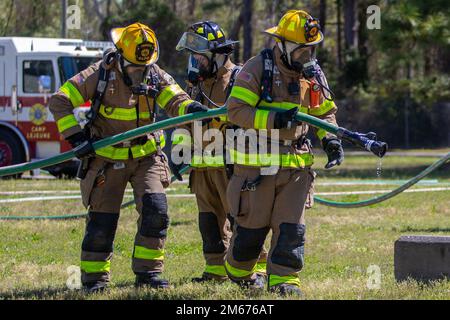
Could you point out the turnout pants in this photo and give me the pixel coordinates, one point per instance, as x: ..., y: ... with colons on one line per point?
x: 215, y: 222
x: 102, y: 191
x: 277, y: 203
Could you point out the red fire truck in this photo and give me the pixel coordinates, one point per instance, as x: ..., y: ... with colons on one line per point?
x: 31, y: 69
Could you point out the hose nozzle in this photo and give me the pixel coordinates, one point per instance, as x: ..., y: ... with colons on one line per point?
x: 366, y: 141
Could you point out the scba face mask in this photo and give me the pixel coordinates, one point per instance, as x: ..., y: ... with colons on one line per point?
x: 200, y: 67
x: 135, y: 77
x: 299, y: 58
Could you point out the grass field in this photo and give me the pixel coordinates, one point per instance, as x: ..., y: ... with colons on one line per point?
x: 343, y: 246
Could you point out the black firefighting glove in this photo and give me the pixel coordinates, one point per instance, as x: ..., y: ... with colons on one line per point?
x: 334, y: 151
x: 198, y: 107
x: 285, y: 119
x: 176, y: 168
x: 81, y: 145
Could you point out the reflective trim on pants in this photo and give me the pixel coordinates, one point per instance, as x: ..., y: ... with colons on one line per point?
x: 216, y: 270
x: 148, y: 254
x: 95, y: 266
x: 238, y: 273
x: 290, y: 279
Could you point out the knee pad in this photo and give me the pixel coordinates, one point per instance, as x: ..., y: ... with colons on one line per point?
x: 248, y: 243
x: 100, y: 232
x: 154, y: 220
x: 210, y: 231
x: 289, y: 250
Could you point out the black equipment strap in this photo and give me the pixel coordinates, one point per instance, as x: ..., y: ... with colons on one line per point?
x: 267, y: 76
x: 102, y: 83
x: 234, y: 73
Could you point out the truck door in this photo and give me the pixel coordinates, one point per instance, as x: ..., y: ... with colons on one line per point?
x: 2, y: 79
x: 38, y: 79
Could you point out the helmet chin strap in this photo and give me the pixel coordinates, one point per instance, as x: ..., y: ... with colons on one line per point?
x: 217, y: 60
x: 126, y: 77
x: 286, y: 50
x: 285, y: 57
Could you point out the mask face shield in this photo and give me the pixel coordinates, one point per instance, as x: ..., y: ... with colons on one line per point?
x: 198, y: 67
x: 193, y: 42
x: 134, y: 77
x: 300, y: 56
x: 135, y: 73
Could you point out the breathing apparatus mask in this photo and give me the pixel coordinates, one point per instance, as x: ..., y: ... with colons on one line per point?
x: 302, y: 59
x: 206, y: 56
x: 136, y: 77
x: 201, y: 67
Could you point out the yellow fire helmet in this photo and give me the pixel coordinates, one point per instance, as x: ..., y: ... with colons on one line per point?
x: 299, y: 27
x: 137, y: 43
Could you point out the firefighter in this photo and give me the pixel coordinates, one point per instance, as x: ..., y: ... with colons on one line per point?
x: 270, y: 190
x: 126, y: 89
x: 211, y: 74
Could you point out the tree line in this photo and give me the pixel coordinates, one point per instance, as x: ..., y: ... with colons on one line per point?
x: 398, y: 74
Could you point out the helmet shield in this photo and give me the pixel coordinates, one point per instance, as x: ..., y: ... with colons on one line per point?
x: 193, y: 42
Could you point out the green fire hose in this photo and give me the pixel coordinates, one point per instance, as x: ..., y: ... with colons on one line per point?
x: 363, y: 203
x: 379, y: 148
x: 367, y: 141
x: 325, y: 202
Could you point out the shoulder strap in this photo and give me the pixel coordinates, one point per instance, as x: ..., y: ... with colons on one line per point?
x: 234, y: 73
x: 100, y: 90
x: 267, y: 75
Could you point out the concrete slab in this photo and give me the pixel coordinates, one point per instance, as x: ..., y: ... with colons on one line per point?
x: 423, y: 258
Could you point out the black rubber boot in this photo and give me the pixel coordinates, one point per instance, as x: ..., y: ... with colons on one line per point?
x: 257, y: 284
x: 286, y: 289
x: 151, y: 280
x: 207, y: 277
x: 95, y: 287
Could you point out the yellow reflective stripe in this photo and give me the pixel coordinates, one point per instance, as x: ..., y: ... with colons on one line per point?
x: 274, y: 280
x: 216, y: 270
x: 283, y: 105
x: 323, y: 108
x: 182, y: 108
x: 245, y: 95
x: 261, y: 267
x: 72, y: 93
x: 148, y: 254
x: 113, y: 153
x: 66, y: 122
x: 238, y: 273
x: 285, y: 160
x: 207, y: 161
x: 261, y: 117
x: 137, y: 151
x: 123, y: 114
x: 168, y: 93
x: 182, y: 139
x: 321, y: 134
x: 148, y: 148
x: 224, y: 118
x: 95, y: 266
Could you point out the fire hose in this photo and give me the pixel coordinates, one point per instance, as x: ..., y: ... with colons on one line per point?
x: 367, y: 141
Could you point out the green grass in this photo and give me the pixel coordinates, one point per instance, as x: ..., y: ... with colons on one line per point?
x: 341, y: 243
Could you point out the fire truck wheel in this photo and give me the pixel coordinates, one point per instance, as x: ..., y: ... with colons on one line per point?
x: 11, y: 150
